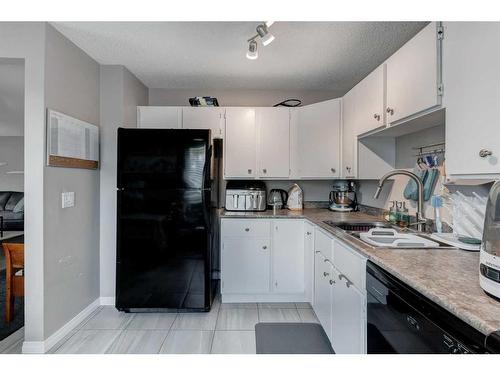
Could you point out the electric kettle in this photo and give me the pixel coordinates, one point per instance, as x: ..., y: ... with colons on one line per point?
x: 278, y: 198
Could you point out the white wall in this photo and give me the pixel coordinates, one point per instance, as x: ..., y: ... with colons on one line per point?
x: 121, y: 93
x: 234, y: 98
x: 71, y: 241
x: 27, y: 41
x: 12, y: 153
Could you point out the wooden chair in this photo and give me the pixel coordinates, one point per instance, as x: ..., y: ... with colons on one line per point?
x: 14, y: 262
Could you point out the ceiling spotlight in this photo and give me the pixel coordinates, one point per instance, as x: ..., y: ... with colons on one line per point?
x: 264, y: 34
x: 252, y: 53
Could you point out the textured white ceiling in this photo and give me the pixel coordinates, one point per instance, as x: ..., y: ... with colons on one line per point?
x: 194, y: 55
x: 11, y: 97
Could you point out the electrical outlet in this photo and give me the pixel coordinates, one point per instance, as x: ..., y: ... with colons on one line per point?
x: 68, y: 199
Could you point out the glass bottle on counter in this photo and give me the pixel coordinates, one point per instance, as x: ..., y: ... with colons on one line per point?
x: 403, y: 216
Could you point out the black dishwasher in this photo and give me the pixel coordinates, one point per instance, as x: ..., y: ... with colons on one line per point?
x: 401, y: 320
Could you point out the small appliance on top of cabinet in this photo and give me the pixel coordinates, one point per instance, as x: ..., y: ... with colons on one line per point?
x: 489, y: 267
x: 343, y: 196
x: 246, y: 196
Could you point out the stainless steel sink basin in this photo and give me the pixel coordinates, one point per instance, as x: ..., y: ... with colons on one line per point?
x: 356, y: 228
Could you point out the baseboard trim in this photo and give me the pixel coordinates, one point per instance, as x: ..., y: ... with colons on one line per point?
x: 40, y: 347
x: 107, y: 301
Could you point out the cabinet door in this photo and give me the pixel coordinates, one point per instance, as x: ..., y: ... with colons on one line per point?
x: 240, y: 143
x: 412, y: 76
x: 349, y: 136
x: 369, y: 107
x: 159, y: 117
x: 273, y: 126
x: 204, y: 118
x: 309, y: 259
x: 318, y: 140
x: 288, y: 256
x: 245, y: 265
x: 471, y: 96
x: 322, y: 305
x: 348, y: 318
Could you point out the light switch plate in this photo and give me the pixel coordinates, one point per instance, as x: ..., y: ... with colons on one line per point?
x: 68, y: 199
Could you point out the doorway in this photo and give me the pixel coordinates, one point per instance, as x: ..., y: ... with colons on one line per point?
x: 11, y: 196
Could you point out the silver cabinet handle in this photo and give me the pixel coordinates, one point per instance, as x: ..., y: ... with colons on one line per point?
x: 325, y: 274
x: 249, y: 171
x: 308, y: 233
x: 348, y: 169
x: 348, y: 282
x: 376, y: 116
x: 264, y: 170
x: 390, y: 110
x: 247, y: 229
x: 264, y: 247
x: 317, y: 251
x: 332, y: 282
x: 333, y: 170
x: 328, y: 261
x: 484, y: 153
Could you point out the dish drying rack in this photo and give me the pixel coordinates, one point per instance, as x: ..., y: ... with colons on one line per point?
x: 432, y: 149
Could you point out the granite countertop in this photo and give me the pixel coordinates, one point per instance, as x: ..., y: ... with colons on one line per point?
x: 448, y: 277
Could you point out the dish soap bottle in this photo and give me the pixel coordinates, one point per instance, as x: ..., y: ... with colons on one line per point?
x: 403, y: 216
x: 393, y: 213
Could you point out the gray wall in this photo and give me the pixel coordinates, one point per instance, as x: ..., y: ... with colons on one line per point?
x: 234, y: 98
x: 121, y: 93
x: 71, y: 280
x: 12, y: 153
x: 11, y: 97
x: 26, y: 41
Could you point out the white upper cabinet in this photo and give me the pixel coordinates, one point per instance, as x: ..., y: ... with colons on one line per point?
x: 316, y: 140
x: 369, y: 108
x: 240, y: 143
x: 273, y: 128
x: 159, y: 117
x: 288, y: 256
x: 349, y: 137
x: 471, y: 61
x: 413, y: 75
x: 204, y: 118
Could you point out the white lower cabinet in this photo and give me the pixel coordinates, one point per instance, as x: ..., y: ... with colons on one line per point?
x: 288, y: 256
x: 246, y: 265
x: 348, y: 317
x: 263, y: 260
x: 323, y: 274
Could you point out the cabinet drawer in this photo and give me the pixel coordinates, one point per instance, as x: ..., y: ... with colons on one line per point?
x: 350, y: 263
x: 246, y: 228
x: 324, y: 244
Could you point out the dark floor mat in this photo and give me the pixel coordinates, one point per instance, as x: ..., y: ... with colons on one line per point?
x: 291, y: 338
x: 18, y: 321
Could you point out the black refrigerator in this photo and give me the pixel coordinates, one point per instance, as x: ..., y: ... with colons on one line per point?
x: 166, y: 221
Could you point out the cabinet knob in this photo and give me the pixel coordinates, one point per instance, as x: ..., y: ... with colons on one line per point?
x: 308, y: 233
x: 332, y: 282
x: 249, y: 171
x: 264, y: 247
x: 264, y: 170
x: 348, y: 169
x: 333, y: 170
x: 390, y: 110
x: 247, y: 229
x: 376, y: 116
x: 325, y: 274
x: 484, y: 153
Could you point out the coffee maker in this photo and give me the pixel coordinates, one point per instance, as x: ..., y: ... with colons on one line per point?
x: 343, y: 196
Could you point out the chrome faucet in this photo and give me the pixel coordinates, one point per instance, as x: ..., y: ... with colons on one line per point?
x: 420, y: 216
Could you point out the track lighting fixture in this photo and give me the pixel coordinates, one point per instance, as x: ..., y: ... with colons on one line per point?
x: 252, y: 53
x: 265, y: 36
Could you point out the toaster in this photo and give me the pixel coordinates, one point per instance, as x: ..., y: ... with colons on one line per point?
x: 489, y: 256
x: 246, y: 196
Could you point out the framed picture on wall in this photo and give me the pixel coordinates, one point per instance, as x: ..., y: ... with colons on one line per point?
x: 71, y: 143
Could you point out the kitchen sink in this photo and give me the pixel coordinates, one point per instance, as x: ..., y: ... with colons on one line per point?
x: 382, y: 234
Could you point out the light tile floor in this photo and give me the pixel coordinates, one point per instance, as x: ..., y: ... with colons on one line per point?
x: 228, y: 328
